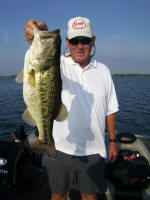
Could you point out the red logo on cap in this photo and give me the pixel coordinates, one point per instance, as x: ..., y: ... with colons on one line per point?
x: 79, y: 24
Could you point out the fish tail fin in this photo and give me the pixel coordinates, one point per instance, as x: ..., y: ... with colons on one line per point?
x: 62, y: 114
x: 49, y: 149
x: 28, y: 118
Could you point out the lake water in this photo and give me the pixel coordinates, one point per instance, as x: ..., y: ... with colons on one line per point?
x: 133, y: 96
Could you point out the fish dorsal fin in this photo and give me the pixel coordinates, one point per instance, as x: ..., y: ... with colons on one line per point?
x: 19, y: 77
x: 28, y: 118
x: 62, y: 114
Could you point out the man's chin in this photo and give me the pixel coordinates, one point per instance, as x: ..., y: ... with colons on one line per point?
x: 80, y: 58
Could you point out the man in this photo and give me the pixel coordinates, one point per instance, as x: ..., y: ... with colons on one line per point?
x: 89, y: 95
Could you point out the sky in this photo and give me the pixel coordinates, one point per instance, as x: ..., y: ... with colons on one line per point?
x: 121, y: 27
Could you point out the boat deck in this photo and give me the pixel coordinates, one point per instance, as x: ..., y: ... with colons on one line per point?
x: 146, y: 142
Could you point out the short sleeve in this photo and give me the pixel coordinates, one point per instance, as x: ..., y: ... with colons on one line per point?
x: 112, y: 102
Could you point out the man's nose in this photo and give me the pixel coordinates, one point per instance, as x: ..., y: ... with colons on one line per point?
x: 79, y: 45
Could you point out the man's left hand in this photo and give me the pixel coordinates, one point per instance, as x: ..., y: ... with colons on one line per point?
x: 112, y: 152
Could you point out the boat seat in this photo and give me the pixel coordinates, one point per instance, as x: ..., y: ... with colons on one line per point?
x: 131, y: 142
x: 126, y: 138
x: 128, y: 141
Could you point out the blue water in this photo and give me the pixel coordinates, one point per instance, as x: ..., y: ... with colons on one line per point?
x: 133, y: 96
x: 134, y: 101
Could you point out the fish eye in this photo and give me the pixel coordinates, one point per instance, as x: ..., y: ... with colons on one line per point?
x: 54, y: 44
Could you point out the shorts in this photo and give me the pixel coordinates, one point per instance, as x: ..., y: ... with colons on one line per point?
x: 67, y: 171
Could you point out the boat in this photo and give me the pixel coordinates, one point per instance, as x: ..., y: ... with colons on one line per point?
x: 23, y: 178
x: 139, y: 145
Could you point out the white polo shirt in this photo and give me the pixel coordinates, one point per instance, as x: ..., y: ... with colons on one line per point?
x: 89, y: 96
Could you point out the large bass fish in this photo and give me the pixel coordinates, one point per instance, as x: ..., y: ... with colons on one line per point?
x: 42, y: 87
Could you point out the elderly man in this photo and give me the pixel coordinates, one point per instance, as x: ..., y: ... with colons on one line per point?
x: 89, y: 95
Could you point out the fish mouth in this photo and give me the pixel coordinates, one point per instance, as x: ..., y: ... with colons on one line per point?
x: 49, y: 34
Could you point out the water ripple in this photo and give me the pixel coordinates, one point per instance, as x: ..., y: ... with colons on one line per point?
x: 133, y: 96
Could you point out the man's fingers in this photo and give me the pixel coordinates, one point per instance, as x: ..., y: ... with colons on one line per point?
x: 28, y: 33
x: 42, y: 26
x: 30, y: 39
x: 28, y: 29
x: 112, y: 158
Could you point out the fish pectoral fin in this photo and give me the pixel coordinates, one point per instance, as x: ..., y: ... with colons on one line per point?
x: 31, y: 78
x: 62, y: 114
x: 19, y: 77
x: 28, y: 118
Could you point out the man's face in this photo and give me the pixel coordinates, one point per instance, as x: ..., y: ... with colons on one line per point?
x: 80, y: 49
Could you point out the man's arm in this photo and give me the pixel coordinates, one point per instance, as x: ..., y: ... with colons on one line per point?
x: 28, y: 29
x: 110, y: 124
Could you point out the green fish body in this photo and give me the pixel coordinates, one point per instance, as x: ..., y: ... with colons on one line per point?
x: 42, y: 87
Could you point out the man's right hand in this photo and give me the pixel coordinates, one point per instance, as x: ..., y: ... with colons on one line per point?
x: 28, y: 29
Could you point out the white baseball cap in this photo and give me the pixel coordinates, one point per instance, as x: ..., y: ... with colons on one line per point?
x: 79, y: 26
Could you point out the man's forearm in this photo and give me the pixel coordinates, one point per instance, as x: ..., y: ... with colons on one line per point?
x: 112, y: 150
x: 110, y: 124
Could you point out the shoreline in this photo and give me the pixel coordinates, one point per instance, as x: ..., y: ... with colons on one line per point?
x: 123, y: 75
x: 8, y: 76
x: 145, y: 75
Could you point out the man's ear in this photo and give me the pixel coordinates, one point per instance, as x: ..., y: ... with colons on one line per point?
x: 67, y: 40
x: 93, y: 40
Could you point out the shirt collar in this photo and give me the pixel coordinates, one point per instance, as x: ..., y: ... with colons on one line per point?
x: 93, y: 62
